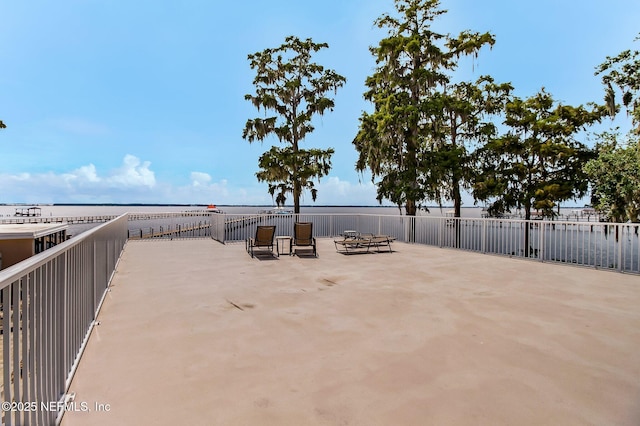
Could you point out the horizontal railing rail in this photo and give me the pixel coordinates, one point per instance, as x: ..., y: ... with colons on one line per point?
x: 49, y: 303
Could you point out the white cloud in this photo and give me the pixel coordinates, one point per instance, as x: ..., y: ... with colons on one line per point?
x: 132, y: 173
x: 131, y: 182
x: 335, y: 191
x: 88, y: 173
x: 84, y: 174
x: 201, y: 190
x: 135, y: 181
x: 22, y: 176
x: 200, y: 179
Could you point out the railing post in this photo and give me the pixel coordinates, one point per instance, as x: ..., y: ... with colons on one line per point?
x: 541, y: 236
x: 95, y: 280
x: 483, y: 237
x: 619, y: 236
x: 64, y: 337
x: 331, y: 229
x: 406, y: 228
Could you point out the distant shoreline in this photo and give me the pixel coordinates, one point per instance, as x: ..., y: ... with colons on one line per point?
x: 233, y: 205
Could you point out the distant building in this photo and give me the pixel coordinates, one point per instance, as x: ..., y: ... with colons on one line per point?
x: 21, y: 241
x: 29, y: 211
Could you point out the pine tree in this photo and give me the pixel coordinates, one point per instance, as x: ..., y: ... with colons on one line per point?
x: 294, y: 89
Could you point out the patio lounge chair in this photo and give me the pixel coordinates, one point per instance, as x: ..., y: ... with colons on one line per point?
x: 303, y: 236
x: 263, y: 239
x: 362, y: 243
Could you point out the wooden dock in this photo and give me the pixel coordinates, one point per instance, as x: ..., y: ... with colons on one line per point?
x: 94, y: 219
x: 57, y: 219
x: 185, y: 230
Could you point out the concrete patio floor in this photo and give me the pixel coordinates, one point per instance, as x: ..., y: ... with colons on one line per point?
x: 194, y: 332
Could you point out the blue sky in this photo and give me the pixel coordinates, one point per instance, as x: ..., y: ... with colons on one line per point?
x: 119, y: 101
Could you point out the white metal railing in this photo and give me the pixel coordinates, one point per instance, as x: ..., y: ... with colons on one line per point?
x: 594, y: 244
x: 49, y: 303
x: 170, y: 225
x: 612, y: 246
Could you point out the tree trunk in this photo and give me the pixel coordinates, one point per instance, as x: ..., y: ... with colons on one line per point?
x: 297, y: 190
x: 411, y: 211
x: 457, y: 205
x: 457, y: 200
x: 296, y: 197
x: 410, y: 208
